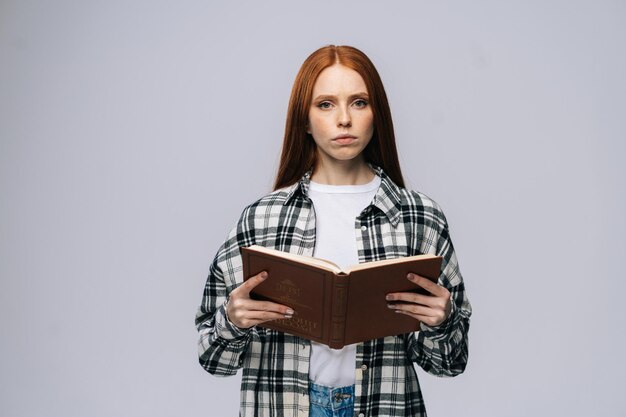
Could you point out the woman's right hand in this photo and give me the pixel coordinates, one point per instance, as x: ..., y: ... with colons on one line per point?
x: 245, y: 312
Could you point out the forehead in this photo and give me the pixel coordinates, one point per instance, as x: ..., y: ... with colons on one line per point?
x: 338, y: 79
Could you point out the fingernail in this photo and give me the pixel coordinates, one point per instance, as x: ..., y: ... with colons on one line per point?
x: 289, y: 312
x: 389, y: 297
x: 390, y: 306
x: 410, y: 276
x: 288, y: 316
x: 263, y: 275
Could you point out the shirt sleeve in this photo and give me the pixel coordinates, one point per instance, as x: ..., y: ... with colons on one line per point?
x: 222, y: 344
x: 443, y: 350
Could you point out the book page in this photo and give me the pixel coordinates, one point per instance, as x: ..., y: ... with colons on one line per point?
x: 375, y: 264
x: 308, y: 260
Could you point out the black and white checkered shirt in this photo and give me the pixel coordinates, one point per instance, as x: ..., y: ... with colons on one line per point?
x: 275, y: 365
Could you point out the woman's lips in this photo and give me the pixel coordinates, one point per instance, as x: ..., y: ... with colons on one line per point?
x: 344, y: 139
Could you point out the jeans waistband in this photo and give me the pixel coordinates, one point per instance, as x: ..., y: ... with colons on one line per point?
x: 329, y: 397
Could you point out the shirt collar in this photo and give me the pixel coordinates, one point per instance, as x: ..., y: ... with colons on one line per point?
x: 300, y: 188
x: 387, y: 198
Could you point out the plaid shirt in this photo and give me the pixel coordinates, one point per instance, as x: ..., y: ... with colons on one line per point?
x: 275, y: 365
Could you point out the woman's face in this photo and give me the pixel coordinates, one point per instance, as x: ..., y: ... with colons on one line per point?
x: 340, y: 116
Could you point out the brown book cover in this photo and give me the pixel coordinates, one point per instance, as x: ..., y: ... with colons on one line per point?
x: 332, y: 306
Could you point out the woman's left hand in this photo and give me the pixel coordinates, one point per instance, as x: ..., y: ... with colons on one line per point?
x: 431, y: 310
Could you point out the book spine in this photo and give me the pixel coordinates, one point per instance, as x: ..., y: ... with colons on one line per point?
x: 338, y: 313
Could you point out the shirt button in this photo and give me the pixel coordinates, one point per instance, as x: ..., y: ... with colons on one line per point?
x: 364, y: 367
x: 361, y: 415
x: 363, y: 228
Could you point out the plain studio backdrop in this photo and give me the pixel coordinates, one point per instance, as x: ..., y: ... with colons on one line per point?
x: 132, y: 134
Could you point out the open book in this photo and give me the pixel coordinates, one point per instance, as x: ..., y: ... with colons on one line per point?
x: 333, y: 306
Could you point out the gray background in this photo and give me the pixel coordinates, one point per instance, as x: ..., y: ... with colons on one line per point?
x: 133, y: 133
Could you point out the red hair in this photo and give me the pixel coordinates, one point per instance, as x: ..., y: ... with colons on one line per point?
x: 299, y: 151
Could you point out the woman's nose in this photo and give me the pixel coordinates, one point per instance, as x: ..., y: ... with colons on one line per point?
x: 343, y: 118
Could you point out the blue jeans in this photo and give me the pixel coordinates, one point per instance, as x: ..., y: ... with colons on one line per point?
x: 331, y: 402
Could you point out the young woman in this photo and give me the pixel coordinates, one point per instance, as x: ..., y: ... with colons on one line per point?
x: 338, y: 195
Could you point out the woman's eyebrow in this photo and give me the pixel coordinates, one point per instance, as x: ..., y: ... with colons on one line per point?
x: 324, y: 97
x: 359, y: 95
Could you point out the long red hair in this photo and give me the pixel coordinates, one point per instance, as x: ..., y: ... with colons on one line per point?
x: 299, y: 151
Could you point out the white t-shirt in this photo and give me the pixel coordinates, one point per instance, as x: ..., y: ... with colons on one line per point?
x: 336, y: 209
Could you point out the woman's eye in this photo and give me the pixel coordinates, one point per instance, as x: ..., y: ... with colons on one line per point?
x: 324, y: 105
x: 360, y: 103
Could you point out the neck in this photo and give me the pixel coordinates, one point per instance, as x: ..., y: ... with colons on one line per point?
x: 342, y: 173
